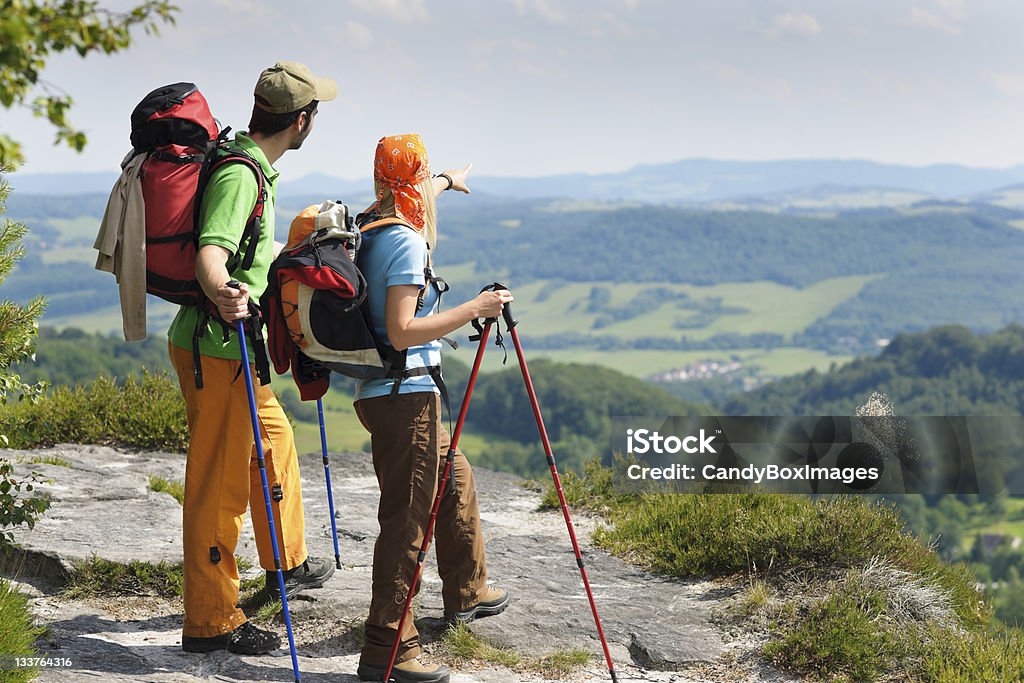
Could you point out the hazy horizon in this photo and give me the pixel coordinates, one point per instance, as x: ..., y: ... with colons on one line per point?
x: 527, y: 88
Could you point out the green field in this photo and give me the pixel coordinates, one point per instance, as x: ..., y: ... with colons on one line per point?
x: 108, y: 319
x: 344, y: 433
x: 767, y: 306
x: 643, y: 363
x: 83, y: 228
x: 548, y: 309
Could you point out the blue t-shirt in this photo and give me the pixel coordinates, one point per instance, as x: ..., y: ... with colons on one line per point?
x: 389, y: 256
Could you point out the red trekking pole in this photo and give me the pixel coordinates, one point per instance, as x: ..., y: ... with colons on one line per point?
x: 510, y: 322
x: 448, y: 464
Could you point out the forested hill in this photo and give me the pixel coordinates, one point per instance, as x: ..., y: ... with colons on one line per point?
x: 945, y: 371
x: 661, y: 243
x: 880, y: 271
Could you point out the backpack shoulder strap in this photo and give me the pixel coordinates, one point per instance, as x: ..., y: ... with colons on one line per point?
x: 430, y: 278
x: 383, y: 223
x: 253, y: 226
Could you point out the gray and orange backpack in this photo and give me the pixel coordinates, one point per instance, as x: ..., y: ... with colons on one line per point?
x: 315, y: 305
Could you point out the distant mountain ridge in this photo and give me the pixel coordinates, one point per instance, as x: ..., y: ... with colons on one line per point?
x: 686, y: 181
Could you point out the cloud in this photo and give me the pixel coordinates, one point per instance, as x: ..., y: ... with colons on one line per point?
x: 260, y: 13
x: 927, y: 19
x: 749, y: 85
x: 358, y: 36
x: 943, y: 16
x: 794, y: 25
x: 1007, y: 83
x: 544, y: 10
x: 400, y: 10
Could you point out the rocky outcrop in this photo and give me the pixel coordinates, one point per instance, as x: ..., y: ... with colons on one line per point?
x: 657, y: 629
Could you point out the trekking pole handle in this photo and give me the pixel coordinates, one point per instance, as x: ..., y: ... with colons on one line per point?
x: 506, y: 310
x: 234, y: 284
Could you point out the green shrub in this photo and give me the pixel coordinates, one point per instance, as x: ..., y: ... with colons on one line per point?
x: 971, y: 656
x: 145, y: 413
x: 891, y: 606
x: 16, y: 508
x: 17, y: 634
x: 841, y: 635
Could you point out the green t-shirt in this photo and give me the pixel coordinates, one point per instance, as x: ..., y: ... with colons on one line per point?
x: 226, y: 206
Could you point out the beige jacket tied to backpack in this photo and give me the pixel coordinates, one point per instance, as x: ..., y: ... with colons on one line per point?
x: 121, y: 244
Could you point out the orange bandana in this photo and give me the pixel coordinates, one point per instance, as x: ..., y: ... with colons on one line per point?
x: 400, y: 164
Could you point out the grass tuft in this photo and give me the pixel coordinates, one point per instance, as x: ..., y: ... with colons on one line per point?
x: 176, y: 489
x: 561, y: 664
x: 755, y: 598
x: 464, y: 645
x: 17, y: 633
x: 99, y: 577
x: 839, y: 636
x: 47, y: 460
x: 267, y: 611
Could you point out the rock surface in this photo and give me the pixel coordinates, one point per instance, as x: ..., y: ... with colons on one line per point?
x: 657, y: 629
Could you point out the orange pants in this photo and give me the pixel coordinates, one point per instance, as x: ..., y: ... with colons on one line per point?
x: 222, y: 478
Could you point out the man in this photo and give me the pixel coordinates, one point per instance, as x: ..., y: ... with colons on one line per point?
x: 221, y: 475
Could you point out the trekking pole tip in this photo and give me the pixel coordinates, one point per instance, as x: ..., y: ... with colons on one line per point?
x: 337, y: 561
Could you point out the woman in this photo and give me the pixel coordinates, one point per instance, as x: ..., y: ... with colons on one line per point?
x: 408, y: 439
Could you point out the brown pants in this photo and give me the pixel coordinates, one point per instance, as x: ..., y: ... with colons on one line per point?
x: 409, y: 445
x: 222, y: 478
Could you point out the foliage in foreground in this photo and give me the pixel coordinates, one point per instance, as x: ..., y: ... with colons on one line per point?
x: 35, y: 30
x: 16, y: 508
x: 17, y: 322
x: 145, y: 413
x: 17, y: 634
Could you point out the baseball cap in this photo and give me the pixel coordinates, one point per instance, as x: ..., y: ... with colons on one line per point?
x: 290, y: 86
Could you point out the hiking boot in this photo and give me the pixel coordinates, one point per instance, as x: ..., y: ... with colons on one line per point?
x: 495, y: 601
x: 409, y: 671
x: 244, y: 640
x: 313, y: 573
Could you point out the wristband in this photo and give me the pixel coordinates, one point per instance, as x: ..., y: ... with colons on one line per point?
x: 447, y: 177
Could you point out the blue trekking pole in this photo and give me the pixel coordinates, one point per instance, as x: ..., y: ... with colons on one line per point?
x: 234, y: 284
x: 327, y: 474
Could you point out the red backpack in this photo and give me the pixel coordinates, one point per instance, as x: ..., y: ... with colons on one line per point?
x: 174, y: 127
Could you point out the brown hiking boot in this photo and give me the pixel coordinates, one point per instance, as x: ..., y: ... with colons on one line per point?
x: 494, y: 601
x: 409, y: 671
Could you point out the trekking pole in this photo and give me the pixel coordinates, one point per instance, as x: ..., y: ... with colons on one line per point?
x: 327, y: 475
x: 234, y: 284
x: 448, y: 464
x: 510, y: 322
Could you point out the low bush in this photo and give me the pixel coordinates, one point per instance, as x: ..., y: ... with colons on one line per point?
x: 866, y: 600
x: 146, y: 412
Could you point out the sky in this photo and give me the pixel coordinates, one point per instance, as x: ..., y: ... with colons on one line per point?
x: 541, y: 87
